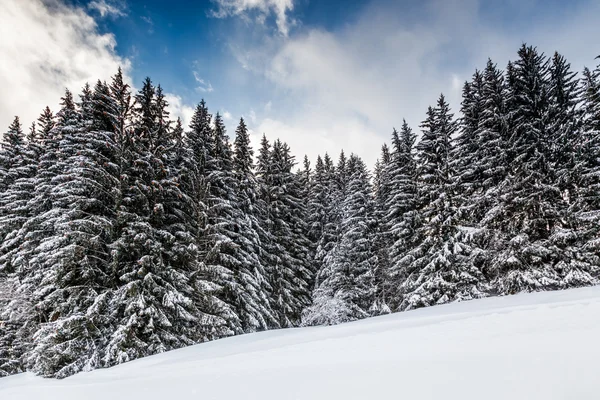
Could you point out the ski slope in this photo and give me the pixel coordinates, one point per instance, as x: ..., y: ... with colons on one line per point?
x: 528, y: 346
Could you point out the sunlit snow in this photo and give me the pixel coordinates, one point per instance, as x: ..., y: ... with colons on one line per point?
x: 529, y: 346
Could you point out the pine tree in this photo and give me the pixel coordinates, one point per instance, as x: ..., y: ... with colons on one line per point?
x: 382, y: 190
x: 531, y: 204
x: 22, y: 214
x: 306, y: 182
x: 18, y: 164
x: 264, y: 212
x: 317, y: 203
x: 586, y: 202
x: 217, y: 316
x: 565, y: 129
x: 197, y: 141
x: 326, y: 204
x: 347, y: 289
x: 18, y: 160
x: 468, y: 177
x: 438, y: 272
x: 155, y: 302
x: 12, y: 148
x: 16, y: 325
x: 231, y: 231
x: 289, y: 269
x: 50, y: 274
x: 402, y: 218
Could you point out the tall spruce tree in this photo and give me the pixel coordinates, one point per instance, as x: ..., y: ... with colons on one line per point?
x: 531, y: 203
x: 289, y: 270
x: 573, y: 264
x: 216, y: 314
x: 153, y: 304
x: 586, y: 205
x: 438, y: 272
x: 18, y: 158
x: 402, y: 218
x: 233, y: 240
x: 18, y: 164
x: 382, y: 191
x: 78, y: 277
x: 327, y: 203
x: 346, y: 291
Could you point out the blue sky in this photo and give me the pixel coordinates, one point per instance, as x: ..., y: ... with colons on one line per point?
x: 321, y: 74
x: 178, y: 43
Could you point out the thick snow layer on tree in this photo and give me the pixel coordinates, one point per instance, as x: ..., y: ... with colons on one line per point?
x: 530, y: 346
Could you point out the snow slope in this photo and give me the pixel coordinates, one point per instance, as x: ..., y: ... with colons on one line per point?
x: 529, y: 346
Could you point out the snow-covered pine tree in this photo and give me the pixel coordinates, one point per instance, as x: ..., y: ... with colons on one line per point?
x: 16, y: 324
x: 346, y: 291
x: 77, y: 276
x: 153, y: 304
x: 402, y: 216
x: 381, y: 180
x: 574, y: 265
x: 19, y: 242
x: 19, y: 165
x: 37, y: 244
x: 234, y: 242
x: 469, y: 177
x: 586, y: 206
x: 316, y: 204
x: 268, y: 250
x: 465, y: 157
x: 481, y: 212
x: 13, y: 144
x: 289, y: 270
x: 197, y: 141
x: 305, y: 181
x: 215, y: 314
x: 532, y: 200
x: 381, y: 188
x: 438, y: 272
x: 320, y: 230
x: 326, y: 201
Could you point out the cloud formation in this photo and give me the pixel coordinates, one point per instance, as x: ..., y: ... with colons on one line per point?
x: 347, y: 88
x: 108, y: 8
x: 262, y: 8
x: 178, y: 109
x: 46, y: 47
x: 203, y: 86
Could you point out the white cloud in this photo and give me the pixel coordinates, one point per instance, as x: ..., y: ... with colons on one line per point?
x: 203, y: 86
x: 456, y: 82
x: 263, y: 8
x: 227, y: 116
x: 348, y: 88
x: 148, y: 20
x: 179, y: 110
x: 47, y: 46
x: 110, y: 8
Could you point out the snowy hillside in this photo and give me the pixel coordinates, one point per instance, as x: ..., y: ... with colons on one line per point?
x: 531, y: 346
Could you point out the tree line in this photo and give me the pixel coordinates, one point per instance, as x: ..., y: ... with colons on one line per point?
x: 125, y: 234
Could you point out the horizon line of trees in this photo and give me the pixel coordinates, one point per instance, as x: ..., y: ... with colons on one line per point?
x: 124, y: 234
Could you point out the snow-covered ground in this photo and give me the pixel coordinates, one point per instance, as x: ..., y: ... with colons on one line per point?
x: 530, y: 346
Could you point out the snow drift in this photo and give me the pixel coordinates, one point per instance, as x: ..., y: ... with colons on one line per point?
x: 528, y: 346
